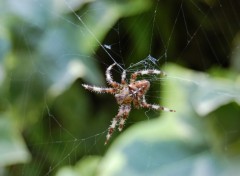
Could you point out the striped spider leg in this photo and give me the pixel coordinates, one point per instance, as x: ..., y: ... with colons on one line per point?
x: 142, y: 102
x: 126, y: 94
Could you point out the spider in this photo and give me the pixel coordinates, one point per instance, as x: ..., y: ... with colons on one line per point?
x: 127, y: 94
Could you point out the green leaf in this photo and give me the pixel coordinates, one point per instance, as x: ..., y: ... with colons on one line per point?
x: 203, y: 92
x: 104, y: 14
x: 62, y: 52
x: 86, y: 167
x: 176, y: 144
x: 61, y: 62
x: 32, y: 12
x: 65, y: 50
x: 162, y: 146
x: 5, y: 44
x: 12, y: 147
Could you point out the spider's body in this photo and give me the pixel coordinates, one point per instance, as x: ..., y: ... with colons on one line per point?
x: 127, y: 94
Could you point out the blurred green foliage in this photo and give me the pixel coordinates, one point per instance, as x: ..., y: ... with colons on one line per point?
x: 50, y: 125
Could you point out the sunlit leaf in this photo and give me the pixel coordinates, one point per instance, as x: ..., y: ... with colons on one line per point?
x: 204, y: 93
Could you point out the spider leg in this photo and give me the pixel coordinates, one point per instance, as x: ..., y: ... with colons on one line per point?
x: 99, y: 89
x: 146, y: 72
x: 123, y: 112
x: 144, y: 99
x: 155, y: 107
x: 139, y: 97
x: 127, y: 109
x: 123, y: 79
x: 109, y: 77
x: 137, y: 101
x: 114, y: 123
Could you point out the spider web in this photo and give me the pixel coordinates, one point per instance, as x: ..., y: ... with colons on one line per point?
x: 57, y: 133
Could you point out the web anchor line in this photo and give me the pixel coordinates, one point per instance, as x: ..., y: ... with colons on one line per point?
x: 93, y: 35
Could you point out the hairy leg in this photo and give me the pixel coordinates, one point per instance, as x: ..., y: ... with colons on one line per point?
x: 99, y: 89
